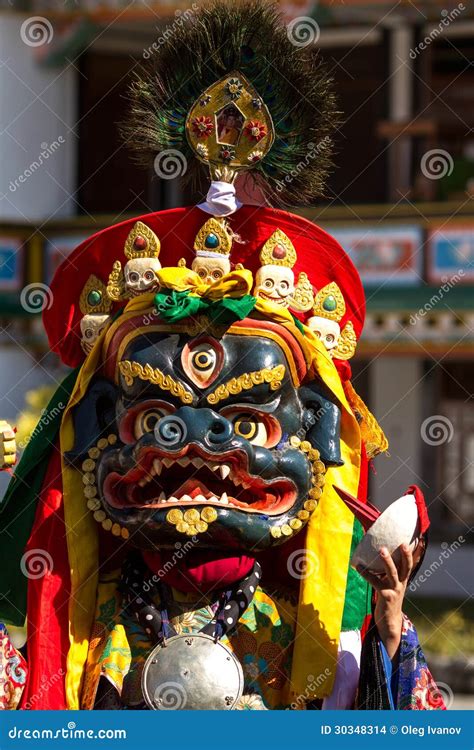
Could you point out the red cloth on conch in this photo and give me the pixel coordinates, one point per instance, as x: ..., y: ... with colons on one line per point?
x: 48, y: 598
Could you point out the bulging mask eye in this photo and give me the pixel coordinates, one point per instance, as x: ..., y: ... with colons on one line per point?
x: 146, y: 421
x: 250, y: 427
x: 134, y: 277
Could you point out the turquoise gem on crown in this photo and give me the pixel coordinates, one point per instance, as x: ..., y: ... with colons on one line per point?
x: 329, y: 303
x: 94, y: 297
x: 211, y: 241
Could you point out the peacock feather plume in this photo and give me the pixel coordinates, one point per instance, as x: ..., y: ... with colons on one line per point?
x: 250, y: 38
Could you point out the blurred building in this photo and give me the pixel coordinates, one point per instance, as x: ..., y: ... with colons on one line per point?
x: 400, y: 202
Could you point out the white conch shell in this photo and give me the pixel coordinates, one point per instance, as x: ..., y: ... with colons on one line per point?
x: 397, y: 525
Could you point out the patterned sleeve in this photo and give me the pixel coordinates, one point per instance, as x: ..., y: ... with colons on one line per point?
x: 14, y: 671
x: 417, y: 691
x: 408, y: 686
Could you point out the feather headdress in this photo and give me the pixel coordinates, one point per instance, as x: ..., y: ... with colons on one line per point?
x: 250, y: 45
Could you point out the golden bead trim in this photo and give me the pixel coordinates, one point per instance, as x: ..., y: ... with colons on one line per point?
x: 273, y: 376
x: 132, y: 370
x: 318, y: 471
x: 191, y: 521
x: 90, y: 488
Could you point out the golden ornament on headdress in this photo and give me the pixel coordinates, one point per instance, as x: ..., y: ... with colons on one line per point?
x: 347, y: 343
x: 229, y: 127
x: 329, y: 303
x: 303, y: 297
x: 142, y: 242
x: 213, y: 237
x: 278, y: 250
x: 94, y: 297
x: 116, y: 283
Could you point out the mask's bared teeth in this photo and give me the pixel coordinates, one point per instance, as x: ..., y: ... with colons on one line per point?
x: 172, y: 499
x: 200, y: 499
x: 162, y: 497
x: 157, y: 466
x: 197, y: 462
x: 224, y: 470
x: 167, y: 462
x: 183, y: 461
x: 186, y: 499
x: 224, y: 498
x: 213, y: 499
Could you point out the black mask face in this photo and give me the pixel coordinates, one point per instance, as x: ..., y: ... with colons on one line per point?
x: 213, y: 440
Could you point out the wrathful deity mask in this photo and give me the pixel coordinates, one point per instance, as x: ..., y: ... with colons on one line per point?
x: 206, y: 440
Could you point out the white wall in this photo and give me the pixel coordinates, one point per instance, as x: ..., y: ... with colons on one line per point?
x: 37, y: 108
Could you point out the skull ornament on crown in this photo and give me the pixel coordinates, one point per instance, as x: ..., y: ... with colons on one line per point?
x: 212, y: 246
x: 275, y: 280
x: 328, y: 310
x: 142, y: 249
x: 95, y: 306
